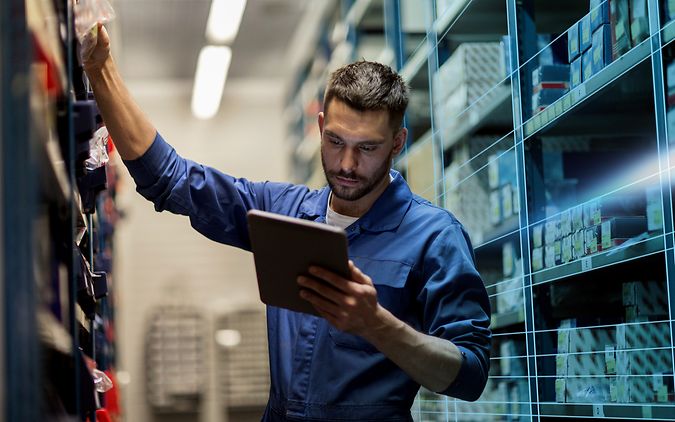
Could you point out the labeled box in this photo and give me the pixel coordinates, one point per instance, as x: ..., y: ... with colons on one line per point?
x: 645, y: 298
x: 573, y: 49
x: 551, y: 76
x: 602, y: 51
x: 639, y: 21
x: 538, y: 235
x: 575, y: 73
x: 592, y: 235
x: 599, y: 13
x: 585, y: 33
x: 654, y: 209
x: 619, y: 11
x: 587, y: 65
x: 537, y: 259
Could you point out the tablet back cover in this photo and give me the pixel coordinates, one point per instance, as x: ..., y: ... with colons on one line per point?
x: 284, y: 248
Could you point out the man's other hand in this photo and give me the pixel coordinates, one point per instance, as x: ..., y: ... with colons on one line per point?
x: 95, y: 48
x: 349, y: 305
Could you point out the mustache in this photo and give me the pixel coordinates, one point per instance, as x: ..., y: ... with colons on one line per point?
x: 347, y: 175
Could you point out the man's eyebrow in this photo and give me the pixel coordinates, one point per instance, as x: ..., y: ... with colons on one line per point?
x: 367, y: 141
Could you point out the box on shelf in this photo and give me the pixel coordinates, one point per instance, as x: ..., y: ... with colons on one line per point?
x: 654, y: 209
x: 566, y: 254
x: 581, y: 364
x: 592, y: 238
x: 549, y: 256
x: 620, y: 27
x: 578, y: 244
x: 573, y: 49
x: 495, y: 207
x: 479, y: 64
x: 545, y: 97
x: 591, y: 213
x: 602, y: 52
x: 639, y: 21
x: 646, y: 335
x: 537, y: 259
x: 575, y: 73
x: 509, y: 295
x: 587, y: 65
x: 512, y: 363
x: 551, y: 76
x: 551, y: 230
x: 564, y: 331
x: 587, y: 390
x: 585, y: 33
x: 508, y: 260
x: 645, y: 299
x: 507, y: 201
x: 591, y: 339
x: 620, y: 228
x: 669, y: 6
x: 565, y: 223
x: 537, y: 235
x: 599, y: 13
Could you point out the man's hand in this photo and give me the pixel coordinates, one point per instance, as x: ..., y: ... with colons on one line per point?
x: 351, y: 305
x: 348, y: 304
x: 95, y: 48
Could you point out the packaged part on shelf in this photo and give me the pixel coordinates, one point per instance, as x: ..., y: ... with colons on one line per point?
x: 587, y: 65
x: 566, y: 253
x: 549, y: 256
x: 599, y: 13
x: 575, y: 73
x: 495, y: 207
x: 585, y: 33
x: 591, y: 339
x: 507, y: 201
x: 573, y: 49
x: 620, y: 27
x: 586, y: 364
x: 592, y: 238
x: 587, y: 390
x: 537, y: 259
x: 508, y: 260
x: 564, y: 330
x: 537, y: 235
x: 645, y: 335
x: 639, y: 21
x: 550, y: 76
x: 578, y: 247
x: 654, y: 209
x: 602, y: 52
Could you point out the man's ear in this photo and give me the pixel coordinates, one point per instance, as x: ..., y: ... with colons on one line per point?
x: 321, y: 119
x: 399, y: 140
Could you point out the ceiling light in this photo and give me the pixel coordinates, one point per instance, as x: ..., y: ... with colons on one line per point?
x: 212, y: 67
x: 224, y: 19
x: 228, y: 338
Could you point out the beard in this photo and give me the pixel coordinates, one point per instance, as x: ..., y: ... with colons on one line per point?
x: 366, y: 184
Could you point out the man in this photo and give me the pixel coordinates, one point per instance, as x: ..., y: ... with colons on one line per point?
x: 414, y: 311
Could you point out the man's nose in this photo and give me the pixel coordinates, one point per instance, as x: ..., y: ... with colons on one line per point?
x: 348, y: 161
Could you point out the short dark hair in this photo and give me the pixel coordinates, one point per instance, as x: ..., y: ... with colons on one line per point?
x: 368, y: 86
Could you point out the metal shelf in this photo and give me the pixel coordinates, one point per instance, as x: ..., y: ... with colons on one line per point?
x: 497, y: 112
x: 507, y: 319
x: 612, y: 256
x: 554, y: 114
x: 608, y: 410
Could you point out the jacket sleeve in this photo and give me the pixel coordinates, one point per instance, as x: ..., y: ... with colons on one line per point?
x: 456, y: 308
x: 216, y: 203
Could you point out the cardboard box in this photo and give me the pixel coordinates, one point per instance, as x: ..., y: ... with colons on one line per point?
x: 591, y: 339
x: 575, y: 73
x: 602, y: 48
x: 639, y: 21
x: 538, y: 235
x: 551, y: 76
x: 507, y: 201
x: 549, y: 256
x: 578, y: 246
x: 587, y: 390
x: 654, y: 209
x: 566, y: 254
x: 599, y: 13
x: 537, y: 259
x: 573, y: 48
x: 493, y: 171
x: 619, y: 11
x: 592, y: 237
x: 585, y: 33
x: 587, y: 65
x: 546, y: 97
x: 646, y: 335
x: 495, y: 207
x: 551, y: 230
x: 585, y: 364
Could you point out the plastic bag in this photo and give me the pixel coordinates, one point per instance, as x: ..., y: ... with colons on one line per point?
x: 88, y: 13
x: 101, y: 381
x: 98, y: 149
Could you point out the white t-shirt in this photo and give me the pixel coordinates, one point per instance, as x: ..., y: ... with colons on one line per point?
x: 338, y: 220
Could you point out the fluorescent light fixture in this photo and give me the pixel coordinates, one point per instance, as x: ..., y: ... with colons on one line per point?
x: 210, y: 78
x: 224, y: 19
x: 228, y: 338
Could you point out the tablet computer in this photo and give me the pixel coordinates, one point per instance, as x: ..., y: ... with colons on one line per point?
x: 285, y: 247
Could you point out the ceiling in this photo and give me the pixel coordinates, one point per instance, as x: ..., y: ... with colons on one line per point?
x: 162, y: 38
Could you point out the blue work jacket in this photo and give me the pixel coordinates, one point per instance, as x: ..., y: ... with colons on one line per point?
x: 418, y: 256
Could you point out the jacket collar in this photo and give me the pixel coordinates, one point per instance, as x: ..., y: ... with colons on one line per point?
x: 386, y: 213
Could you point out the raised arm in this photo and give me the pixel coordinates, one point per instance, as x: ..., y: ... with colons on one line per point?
x: 130, y: 128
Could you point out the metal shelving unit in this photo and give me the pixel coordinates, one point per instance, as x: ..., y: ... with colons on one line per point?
x: 508, y: 171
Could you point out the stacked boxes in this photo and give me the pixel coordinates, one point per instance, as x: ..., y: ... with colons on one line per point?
x: 601, y: 49
x: 669, y: 6
x: 471, y: 71
x: 593, y: 227
x: 504, y: 201
x: 620, y: 27
x: 549, y: 83
x: 639, y: 21
x: 598, y: 365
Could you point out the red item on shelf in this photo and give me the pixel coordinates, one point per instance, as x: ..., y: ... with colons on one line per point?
x: 111, y: 397
x: 102, y: 415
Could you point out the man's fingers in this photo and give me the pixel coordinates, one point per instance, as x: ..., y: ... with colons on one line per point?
x: 321, y: 304
x: 357, y: 275
x: 322, y: 289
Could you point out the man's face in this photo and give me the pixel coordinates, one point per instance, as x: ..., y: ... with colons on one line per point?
x: 357, y: 150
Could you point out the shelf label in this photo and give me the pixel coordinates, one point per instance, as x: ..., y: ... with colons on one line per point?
x: 586, y: 264
x: 647, y: 412
x: 598, y: 411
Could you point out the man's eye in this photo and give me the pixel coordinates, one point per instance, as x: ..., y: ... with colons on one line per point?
x: 334, y: 141
x: 367, y: 148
